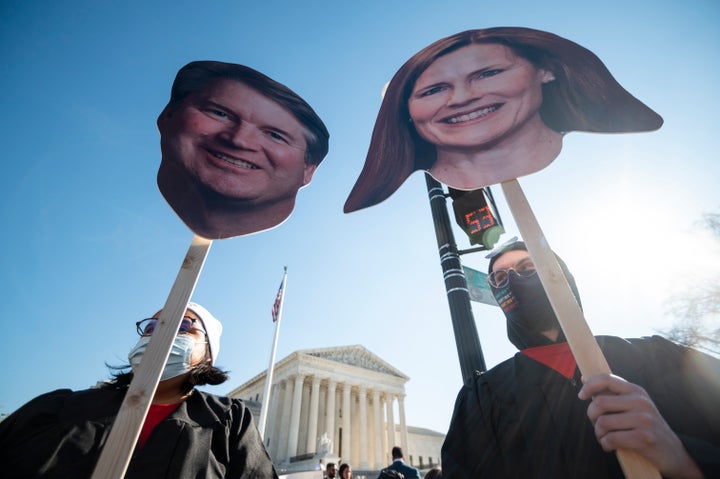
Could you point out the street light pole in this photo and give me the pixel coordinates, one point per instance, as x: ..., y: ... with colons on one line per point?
x: 466, y: 335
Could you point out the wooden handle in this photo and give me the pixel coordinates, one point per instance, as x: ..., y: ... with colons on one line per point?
x: 115, y: 456
x: 588, y: 355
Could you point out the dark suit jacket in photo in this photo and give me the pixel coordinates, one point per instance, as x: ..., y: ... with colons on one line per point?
x: 408, y: 471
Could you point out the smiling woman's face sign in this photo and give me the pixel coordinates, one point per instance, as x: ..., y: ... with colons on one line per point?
x: 477, y: 97
x: 485, y: 106
x: 233, y: 159
x: 479, y: 106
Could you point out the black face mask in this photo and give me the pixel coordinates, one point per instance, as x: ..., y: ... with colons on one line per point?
x: 528, y: 311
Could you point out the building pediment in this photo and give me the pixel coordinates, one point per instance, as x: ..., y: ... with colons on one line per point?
x: 335, y: 402
x: 356, y: 356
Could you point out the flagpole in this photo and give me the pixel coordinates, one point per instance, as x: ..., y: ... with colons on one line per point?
x: 269, y: 376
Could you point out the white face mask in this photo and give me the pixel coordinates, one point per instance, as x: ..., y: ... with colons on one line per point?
x: 178, y: 362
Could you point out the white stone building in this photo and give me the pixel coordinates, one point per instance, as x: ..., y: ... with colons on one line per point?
x: 346, y: 394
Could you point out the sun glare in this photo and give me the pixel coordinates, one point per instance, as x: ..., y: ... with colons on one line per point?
x: 637, y: 245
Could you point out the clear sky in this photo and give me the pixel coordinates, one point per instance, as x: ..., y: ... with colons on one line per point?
x: 90, y: 246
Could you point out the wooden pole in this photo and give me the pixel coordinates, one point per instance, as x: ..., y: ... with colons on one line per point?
x: 117, y: 451
x: 588, y: 354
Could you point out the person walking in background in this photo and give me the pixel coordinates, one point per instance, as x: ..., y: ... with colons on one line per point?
x: 187, y: 433
x: 434, y: 473
x: 330, y: 471
x: 399, y: 465
x: 345, y: 471
x: 528, y: 416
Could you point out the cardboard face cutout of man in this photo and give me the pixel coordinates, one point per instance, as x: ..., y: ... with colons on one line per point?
x: 484, y: 106
x: 236, y: 148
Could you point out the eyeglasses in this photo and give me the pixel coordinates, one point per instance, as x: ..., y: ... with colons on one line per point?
x: 524, y: 268
x: 146, y: 327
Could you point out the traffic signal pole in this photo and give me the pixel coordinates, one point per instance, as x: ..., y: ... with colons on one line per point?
x: 466, y: 335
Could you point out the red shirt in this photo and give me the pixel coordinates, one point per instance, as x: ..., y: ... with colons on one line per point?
x: 155, y: 415
x: 556, y: 356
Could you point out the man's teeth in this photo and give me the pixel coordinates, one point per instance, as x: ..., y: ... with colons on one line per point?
x: 234, y: 161
x: 473, y: 115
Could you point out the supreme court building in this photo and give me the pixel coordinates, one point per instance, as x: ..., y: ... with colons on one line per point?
x: 338, y: 404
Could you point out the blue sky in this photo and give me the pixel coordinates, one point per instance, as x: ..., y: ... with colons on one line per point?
x: 90, y: 246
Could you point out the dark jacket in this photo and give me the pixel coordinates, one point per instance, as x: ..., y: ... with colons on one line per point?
x: 60, y: 435
x: 523, y: 419
x: 408, y: 472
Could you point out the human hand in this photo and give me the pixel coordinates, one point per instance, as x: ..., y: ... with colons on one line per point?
x: 624, y: 417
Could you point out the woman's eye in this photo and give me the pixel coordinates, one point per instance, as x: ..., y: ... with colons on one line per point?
x: 490, y: 73
x: 432, y: 90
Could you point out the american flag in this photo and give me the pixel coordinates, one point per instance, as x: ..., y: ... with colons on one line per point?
x: 278, y: 301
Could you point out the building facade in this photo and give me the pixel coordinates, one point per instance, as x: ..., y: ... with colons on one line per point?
x: 342, y: 403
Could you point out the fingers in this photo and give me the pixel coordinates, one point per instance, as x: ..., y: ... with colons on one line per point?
x: 621, y: 410
x: 605, y: 384
x: 614, y: 430
x: 624, y: 417
x: 649, y: 436
x: 631, y: 439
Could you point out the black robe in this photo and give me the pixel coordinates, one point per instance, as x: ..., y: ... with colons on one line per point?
x: 522, y: 419
x: 61, y: 434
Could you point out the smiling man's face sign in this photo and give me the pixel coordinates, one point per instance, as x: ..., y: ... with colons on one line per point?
x: 229, y: 148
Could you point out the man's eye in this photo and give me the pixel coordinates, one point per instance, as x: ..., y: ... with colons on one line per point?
x: 276, y: 136
x: 525, y: 265
x: 500, y: 276
x: 217, y: 113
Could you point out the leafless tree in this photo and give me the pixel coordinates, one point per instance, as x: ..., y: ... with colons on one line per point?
x: 698, y: 310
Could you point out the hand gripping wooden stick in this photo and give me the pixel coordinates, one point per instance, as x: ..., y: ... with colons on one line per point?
x: 117, y: 451
x: 584, y: 347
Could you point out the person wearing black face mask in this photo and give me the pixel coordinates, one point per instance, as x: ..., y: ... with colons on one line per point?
x: 528, y: 416
x: 531, y: 320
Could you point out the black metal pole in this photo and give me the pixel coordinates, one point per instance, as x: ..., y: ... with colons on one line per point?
x: 466, y: 335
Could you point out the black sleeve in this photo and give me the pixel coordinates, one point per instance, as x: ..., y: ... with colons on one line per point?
x: 685, y: 387
x: 471, y: 447
x: 26, y: 419
x: 248, y: 457
x: 23, y: 433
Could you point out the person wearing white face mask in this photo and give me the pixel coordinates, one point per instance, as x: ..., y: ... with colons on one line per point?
x: 187, y: 432
x: 192, y: 357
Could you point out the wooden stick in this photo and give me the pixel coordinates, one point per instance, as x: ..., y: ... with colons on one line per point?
x: 115, y: 456
x: 588, y: 354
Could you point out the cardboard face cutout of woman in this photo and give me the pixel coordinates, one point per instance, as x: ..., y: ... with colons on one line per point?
x: 484, y: 106
x: 236, y: 148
